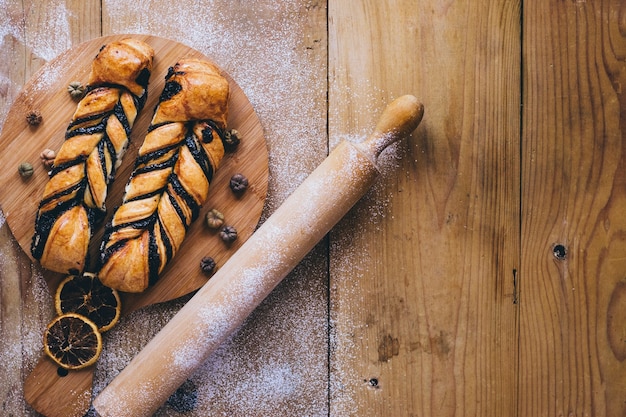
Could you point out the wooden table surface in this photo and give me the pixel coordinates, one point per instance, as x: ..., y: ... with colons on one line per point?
x: 485, y: 272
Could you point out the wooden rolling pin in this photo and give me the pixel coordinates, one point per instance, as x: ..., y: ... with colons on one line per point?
x: 240, y: 285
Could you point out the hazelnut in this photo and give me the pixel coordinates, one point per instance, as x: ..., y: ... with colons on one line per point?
x: 47, y: 157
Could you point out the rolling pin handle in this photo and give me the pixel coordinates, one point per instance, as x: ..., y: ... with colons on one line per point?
x: 399, y: 119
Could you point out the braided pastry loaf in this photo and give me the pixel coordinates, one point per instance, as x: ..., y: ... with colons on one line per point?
x: 95, y: 141
x: 170, y: 181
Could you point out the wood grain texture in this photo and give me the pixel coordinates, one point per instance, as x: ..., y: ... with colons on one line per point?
x: 24, y: 309
x: 36, y: 31
x: 574, y: 164
x: 442, y: 246
x: 422, y: 293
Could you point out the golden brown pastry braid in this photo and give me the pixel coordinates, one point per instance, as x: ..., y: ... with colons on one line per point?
x: 95, y: 141
x: 170, y: 181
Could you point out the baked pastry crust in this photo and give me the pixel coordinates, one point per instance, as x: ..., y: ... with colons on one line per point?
x: 171, y: 178
x: 73, y: 200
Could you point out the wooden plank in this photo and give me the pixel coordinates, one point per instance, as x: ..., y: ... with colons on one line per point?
x: 35, y: 32
x: 52, y: 27
x: 14, y: 52
x: 573, y: 303
x: 276, y: 363
x: 422, y: 285
x: 25, y: 307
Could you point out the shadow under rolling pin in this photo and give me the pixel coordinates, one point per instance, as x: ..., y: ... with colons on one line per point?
x: 247, y: 278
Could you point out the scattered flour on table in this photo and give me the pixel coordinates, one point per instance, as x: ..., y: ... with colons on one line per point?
x: 347, y: 269
x: 267, y: 50
x: 8, y: 90
x: 233, y: 384
x: 20, y: 343
x: 251, y: 373
x: 43, y: 80
x: 270, y: 58
x: 51, y: 37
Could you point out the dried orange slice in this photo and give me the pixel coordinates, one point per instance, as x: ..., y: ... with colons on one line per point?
x: 72, y: 341
x: 86, y: 295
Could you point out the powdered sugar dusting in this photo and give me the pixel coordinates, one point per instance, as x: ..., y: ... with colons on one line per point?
x: 44, y: 40
x: 27, y: 306
x: 266, y: 50
x: 231, y: 383
x: 53, y: 35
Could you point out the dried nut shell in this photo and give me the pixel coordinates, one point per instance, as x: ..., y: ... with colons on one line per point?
x: 228, y: 234
x: 207, y: 264
x: 25, y: 169
x: 238, y: 183
x: 214, y: 219
x: 76, y: 89
x: 231, y: 140
x: 34, y: 118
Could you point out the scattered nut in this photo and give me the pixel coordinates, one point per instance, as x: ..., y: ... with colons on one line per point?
x: 34, y: 118
x: 207, y: 264
x: 25, y: 169
x: 228, y: 234
x: 47, y: 157
x: 76, y: 89
x: 231, y: 140
x: 214, y: 219
x: 238, y: 183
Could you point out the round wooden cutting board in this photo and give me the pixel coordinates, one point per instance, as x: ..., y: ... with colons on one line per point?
x: 47, y: 93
